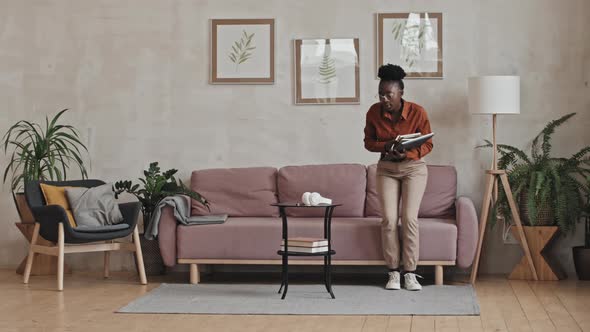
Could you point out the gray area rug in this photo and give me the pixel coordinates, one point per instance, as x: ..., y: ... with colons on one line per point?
x: 304, y: 299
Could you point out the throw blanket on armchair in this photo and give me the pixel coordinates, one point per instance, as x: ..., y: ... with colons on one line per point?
x: 181, y: 208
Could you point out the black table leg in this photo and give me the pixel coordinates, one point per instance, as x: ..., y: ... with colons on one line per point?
x: 329, y: 268
x: 282, y: 284
x: 328, y: 258
x: 326, y: 273
x: 282, y: 275
x: 285, y: 276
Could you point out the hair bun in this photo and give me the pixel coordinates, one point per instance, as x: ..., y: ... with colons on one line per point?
x: 391, y: 72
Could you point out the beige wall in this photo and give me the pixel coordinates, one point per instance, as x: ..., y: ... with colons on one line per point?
x: 135, y: 74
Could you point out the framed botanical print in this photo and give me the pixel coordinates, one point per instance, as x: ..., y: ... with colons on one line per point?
x: 412, y: 41
x: 242, y: 51
x: 327, y: 71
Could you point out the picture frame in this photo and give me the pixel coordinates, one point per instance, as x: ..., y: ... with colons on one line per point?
x: 242, y: 51
x: 326, y: 71
x: 413, y: 41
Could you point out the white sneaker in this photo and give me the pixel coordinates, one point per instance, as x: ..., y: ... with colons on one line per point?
x: 410, y: 282
x: 394, y: 281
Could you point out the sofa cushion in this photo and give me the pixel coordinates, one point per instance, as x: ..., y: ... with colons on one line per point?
x: 238, y: 192
x: 352, y: 238
x: 343, y: 183
x: 439, y: 196
x: 372, y: 205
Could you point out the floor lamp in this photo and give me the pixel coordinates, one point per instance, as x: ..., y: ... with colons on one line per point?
x: 496, y: 95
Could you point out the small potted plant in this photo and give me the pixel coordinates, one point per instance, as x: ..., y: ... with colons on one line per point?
x: 154, y: 187
x: 38, y: 153
x: 582, y: 253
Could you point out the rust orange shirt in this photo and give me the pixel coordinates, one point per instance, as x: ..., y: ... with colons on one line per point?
x: 380, y: 128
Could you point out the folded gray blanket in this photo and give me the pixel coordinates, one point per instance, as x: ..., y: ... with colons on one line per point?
x: 181, y: 207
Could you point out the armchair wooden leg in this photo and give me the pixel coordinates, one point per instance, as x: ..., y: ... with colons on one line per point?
x: 438, y: 275
x: 139, y: 257
x: 31, y: 256
x: 60, y: 256
x: 107, y: 260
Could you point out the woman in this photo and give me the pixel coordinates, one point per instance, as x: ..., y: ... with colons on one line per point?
x: 398, y: 173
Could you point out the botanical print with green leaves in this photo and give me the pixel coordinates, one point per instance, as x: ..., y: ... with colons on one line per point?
x: 413, y: 39
x: 327, y: 68
x: 242, y: 49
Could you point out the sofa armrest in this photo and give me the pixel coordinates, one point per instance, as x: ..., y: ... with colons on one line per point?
x: 167, y: 236
x: 467, y: 231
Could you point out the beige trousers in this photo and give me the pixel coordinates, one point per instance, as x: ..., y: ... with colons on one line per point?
x: 408, y: 179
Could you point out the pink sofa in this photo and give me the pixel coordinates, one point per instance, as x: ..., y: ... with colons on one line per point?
x: 252, y: 233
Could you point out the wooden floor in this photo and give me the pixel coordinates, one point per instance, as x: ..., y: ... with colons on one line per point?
x: 88, y: 303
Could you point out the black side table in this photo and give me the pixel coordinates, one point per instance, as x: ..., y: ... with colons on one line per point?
x: 327, y: 235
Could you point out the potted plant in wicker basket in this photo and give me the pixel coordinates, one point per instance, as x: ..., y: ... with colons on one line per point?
x: 40, y: 153
x: 547, y: 189
x: 154, y: 187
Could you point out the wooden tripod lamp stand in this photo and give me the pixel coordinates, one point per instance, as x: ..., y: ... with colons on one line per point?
x: 496, y: 95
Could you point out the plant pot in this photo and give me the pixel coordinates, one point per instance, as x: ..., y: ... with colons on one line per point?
x: 22, y: 207
x: 582, y: 262
x: 152, y: 259
x: 545, y: 215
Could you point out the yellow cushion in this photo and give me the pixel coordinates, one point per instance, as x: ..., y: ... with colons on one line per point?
x: 55, y: 195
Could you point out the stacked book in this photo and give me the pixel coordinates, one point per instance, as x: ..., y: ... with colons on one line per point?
x: 410, y: 141
x: 306, y: 245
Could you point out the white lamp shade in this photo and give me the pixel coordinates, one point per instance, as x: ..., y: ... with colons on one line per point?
x: 494, y: 94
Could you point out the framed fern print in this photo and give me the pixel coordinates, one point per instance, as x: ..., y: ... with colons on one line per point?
x: 413, y: 41
x: 242, y: 51
x: 327, y: 71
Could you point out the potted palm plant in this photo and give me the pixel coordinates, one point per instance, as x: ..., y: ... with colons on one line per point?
x: 581, y: 254
x: 40, y: 153
x: 154, y: 187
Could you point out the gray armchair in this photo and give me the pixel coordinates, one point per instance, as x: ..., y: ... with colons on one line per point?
x: 51, y: 222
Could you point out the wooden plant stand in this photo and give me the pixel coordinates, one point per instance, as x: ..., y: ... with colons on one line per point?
x: 539, y: 239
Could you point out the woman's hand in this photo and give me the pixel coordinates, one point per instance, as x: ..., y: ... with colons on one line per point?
x: 395, y: 156
x: 389, y: 144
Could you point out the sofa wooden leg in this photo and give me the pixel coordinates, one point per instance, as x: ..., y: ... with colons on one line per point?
x: 438, y: 275
x: 60, y: 256
x: 195, y: 274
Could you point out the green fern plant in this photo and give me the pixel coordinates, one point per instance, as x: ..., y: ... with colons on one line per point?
x: 542, y: 181
x: 242, y: 49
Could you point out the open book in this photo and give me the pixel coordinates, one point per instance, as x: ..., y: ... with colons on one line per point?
x: 410, y: 141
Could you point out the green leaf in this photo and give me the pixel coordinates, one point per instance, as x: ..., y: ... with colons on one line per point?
x: 41, y: 154
x: 156, y: 186
x: 240, y: 49
x: 549, y: 130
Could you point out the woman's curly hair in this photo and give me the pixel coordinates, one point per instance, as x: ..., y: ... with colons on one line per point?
x: 392, y: 73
